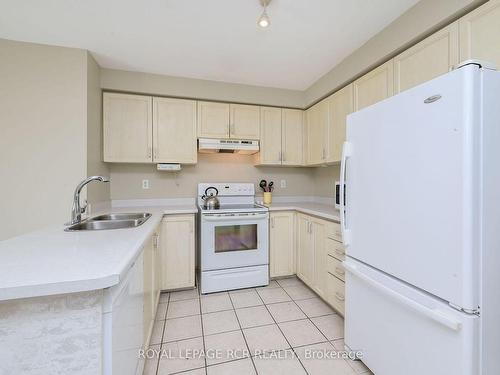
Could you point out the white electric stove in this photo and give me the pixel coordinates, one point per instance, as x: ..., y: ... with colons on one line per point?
x: 234, y: 239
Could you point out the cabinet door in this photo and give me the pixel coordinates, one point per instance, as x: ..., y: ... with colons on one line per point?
x: 149, y: 289
x: 292, y: 137
x: 270, y: 139
x: 305, y: 251
x: 174, y: 131
x: 128, y: 128
x: 317, y: 123
x: 480, y: 33
x: 245, y: 121
x: 318, y: 233
x: 340, y: 105
x: 374, y: 86
x: 177, y: 251
x: 436, y: 55
x: 213, y: 120
x: 282, y: 244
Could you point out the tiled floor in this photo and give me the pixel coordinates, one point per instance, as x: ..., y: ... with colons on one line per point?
x: 283, y: 328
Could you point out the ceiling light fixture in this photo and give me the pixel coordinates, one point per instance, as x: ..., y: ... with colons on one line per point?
x: 264, y: 20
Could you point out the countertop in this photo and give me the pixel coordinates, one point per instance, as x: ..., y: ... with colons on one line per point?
x: 52, y: 261
x: 321, y: 210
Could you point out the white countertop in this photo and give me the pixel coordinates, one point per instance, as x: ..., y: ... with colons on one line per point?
x: 321, y: 210
x: 52, y: 261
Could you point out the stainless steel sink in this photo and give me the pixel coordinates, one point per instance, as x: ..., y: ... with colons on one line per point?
x: 122, y: 216
x: 110, y: 221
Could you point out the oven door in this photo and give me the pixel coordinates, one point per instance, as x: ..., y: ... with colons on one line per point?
x: 230, y: 240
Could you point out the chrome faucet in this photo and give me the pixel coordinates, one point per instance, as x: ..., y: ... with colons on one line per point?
x: 77, y: 210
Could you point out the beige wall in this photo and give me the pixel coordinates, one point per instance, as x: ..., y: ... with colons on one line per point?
x: 43, y: 134
x: 324, y: 180
x: 126, y: 179
x: 415, y: 24
x: 156, y: 84
x: 97, y: 192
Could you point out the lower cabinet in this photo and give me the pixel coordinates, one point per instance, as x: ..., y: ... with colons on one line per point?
x: 177, y: 252
x: 282, y: 244
x: 305, y: 250
x: 151, y: 283
x: 319, y: 258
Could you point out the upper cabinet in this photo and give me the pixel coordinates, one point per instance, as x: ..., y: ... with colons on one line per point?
x: 374, y: 86
x: 480, y: 33
x: 340, y: 104
x: 292, y: 137
x: 270, y: 132
x: 128, y: 128
x: 143, y: 129
x: 174, y: 131
x: 213, y: 120
x: 326, y: 127
x: 245, y: 121
x: 317, y: 129
x: 436, y: 55
x: 281, y: 136
x: 224, y: 120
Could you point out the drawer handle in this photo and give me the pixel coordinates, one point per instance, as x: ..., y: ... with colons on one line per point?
x: 339, y: 252
x: 340, y: 297
x: 340, y: 271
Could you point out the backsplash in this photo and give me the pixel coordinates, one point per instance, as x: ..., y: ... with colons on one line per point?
x: 126, y: 179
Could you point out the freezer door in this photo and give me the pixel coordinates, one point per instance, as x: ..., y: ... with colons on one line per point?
x: 412, y: 186
x: 401, y: 330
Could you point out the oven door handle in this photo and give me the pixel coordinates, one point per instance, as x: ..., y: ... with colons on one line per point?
x: 234, y: 218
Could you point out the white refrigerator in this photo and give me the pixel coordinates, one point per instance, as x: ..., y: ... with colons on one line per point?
x: 421, y: 225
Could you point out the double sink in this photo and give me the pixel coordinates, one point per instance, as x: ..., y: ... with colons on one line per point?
x: 111, y: 221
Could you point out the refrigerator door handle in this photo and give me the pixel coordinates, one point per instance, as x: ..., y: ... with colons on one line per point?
x: 436, y: 315
x: 346, y: 153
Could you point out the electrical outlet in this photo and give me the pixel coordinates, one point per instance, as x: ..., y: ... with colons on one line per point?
x: 283, y: 184
x: 145, y: 184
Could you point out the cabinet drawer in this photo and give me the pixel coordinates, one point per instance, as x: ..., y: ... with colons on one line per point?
x: 336, y: 293
x: 335, y: 267
x: 334, y: 232
x: 335, y: 249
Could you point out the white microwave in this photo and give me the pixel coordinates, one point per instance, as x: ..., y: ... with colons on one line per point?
x: 337, y: 195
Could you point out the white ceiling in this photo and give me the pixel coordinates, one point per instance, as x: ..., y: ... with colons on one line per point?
x: 208, y: 39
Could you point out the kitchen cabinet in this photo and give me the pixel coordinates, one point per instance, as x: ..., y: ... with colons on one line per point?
x: 282, y: 244
x: 271, y: 138
x: 305, y: 250
x: 319, y: 258
x: 127, y: 128
x: 281, y: 136
x: 340, y: 104
x: 174, y: 131
x: 213, y: 120
x: 151, y: 283
x: 374, y: 86
x: 224, y: 120
x: 480, y: 33
x: 318, y: 236
x: 317, y: 128
x: 292, y: 137
x: 149, y: 289
x: 245, y: 121
x: 177, y: 251
x: 435, y: 55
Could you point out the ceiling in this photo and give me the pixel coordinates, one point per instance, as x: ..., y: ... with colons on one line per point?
x: 207, y: 39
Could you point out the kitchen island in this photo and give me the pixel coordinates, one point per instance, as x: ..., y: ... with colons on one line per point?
x: 57, y: 291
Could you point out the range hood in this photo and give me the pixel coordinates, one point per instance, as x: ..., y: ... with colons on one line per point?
x: 229, y: 146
